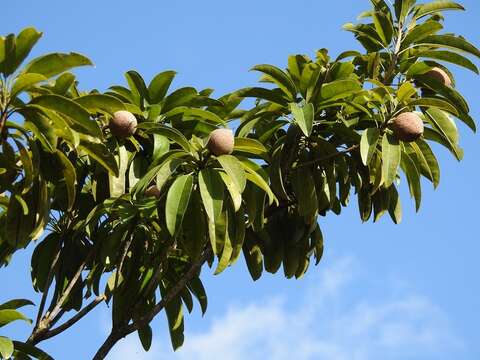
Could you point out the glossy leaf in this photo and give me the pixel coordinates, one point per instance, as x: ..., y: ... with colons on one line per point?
x: 25, y: 81
x: 55, y: 64
x: 280, y: 78
x: 6, y: 347
x: 368, y: 144
x: 234, y: 169
x: 391, y: 155
x: 303, y: 116
x: 435, y: 6
x: 178, y: 197
x: 159, y: 86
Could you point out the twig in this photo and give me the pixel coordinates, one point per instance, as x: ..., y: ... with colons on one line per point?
x: 73, y: 320
x: 330, y: 156
x: 47, y: 287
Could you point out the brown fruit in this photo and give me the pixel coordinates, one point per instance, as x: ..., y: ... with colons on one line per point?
x: 153, y: 190
x: 221, y: 142
x: 440, y: 75
x: 123, y: 124
x: 407, y: 126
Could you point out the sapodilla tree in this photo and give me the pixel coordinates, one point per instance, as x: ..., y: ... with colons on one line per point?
x: 144, y: 206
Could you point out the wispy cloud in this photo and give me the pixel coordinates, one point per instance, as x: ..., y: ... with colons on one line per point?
x: 329, y: 322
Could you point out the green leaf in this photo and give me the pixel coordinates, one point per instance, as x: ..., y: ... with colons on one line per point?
x: 169, y: 132
x: 426, y: 161
x: 303, y: 117
x: 253, y: 258
x: 74, y: 111
x: 196, y: 287
x: 274, y: 96
x: 434, y: 135
x: 174, y: 312
x: 227, y: 251
x: 100, y: 103
x: 280, y: 78
x: 25, y: 41
x: 101, y: 154
x: 177, y: 202
x: 259, y: 177
x: 180, y: 97
x: 9, y: 315
x: 159, y: 86
x: 31, y: 350
x: 24, y: 82
x: 69, y: 175
x: 383, y: 26
x: 232, y: 190
x: 339, y: 89
x: 137, y: 84
x: 212, y: 193
x: 195, y: 113
x: 413, y: 178
x: 450, y: 57
x: 391, y: 155
x: 394, y: 205
x: 402, y: 8
x: 15, y: 304
x: 368, y: 144
x: 443, y: 123
x: 435, y: 6
x: 452, y: 42
x: 233, y: 167
x: 56, y: 63
x: 6, y: 347
x: 421, y: 31
x: 117, y: 182
x: 406, y: 91
x: 250, y: 147
x: 435, y: 102
x: 145, y: 336
x: 304, y: 188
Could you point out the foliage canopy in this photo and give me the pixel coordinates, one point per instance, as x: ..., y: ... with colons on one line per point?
x: 318, y: 134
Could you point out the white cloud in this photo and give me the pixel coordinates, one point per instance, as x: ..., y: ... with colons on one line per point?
x: 329, y: 322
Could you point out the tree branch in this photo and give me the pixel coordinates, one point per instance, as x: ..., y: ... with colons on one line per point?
x: 120, y: 332
x: 67, y: 324
x: 47, y: 288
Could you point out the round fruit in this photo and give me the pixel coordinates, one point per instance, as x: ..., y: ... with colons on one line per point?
x: 407, y: 126
x: 221, y: 142
x: 123, y: 124
x: 153, y: 190
x: 440, y: 75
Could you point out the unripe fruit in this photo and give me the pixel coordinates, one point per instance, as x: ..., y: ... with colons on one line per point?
x: 153, y: 190
x: 407, y: 126
x: 123, y: 124
x: 221, y: 142
x: 440, y: 75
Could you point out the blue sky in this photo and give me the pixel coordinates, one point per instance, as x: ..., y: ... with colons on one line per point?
x: 381, y: 292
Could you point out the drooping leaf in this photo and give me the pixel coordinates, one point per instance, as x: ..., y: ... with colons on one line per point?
x: 280, y: 78
x: 303, y: 117
x: 368, y: 144
x: 178, y: 197
x: 391, y: 155
x: 234, y: 169
x: 435, y: 6
x: 100, y: 102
